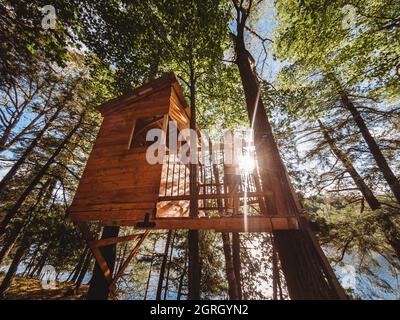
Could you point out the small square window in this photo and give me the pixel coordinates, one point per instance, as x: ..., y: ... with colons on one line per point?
x: 140, y: 129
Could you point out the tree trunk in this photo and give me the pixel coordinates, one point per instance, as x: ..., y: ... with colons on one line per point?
x: 180, y: 286
x: 391, y: 233
x: 229, y: 269
x: 72, y: 273
x: 388, y: 228
x: 8, y: 243
x: 80, y: 264
x: 347, y: 163
x: 275, y: 272
x: 307, y: 272
x: 169, y: 266
x: 83, y: 271
x: 10, y: 174
x: 14, y: 209
x: 41, y: 263
x: 7, y: 132
x: 31, y: 261
x: 193, y: 235
x: 13, y: 267
x: 98, y: 289
x: 121, y: 256
x: 150, y: 269
x: 17, y: 227
x: 376, y: 152
x: 237, y: 266
x: 148, y: 278
x: 163, y: 265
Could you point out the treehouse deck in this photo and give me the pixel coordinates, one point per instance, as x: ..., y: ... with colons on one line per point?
x: 121, y: 187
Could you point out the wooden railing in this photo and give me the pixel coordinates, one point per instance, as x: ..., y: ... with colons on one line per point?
x: 221, y: 186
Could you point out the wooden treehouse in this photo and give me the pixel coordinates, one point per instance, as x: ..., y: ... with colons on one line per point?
x: 119, y: 187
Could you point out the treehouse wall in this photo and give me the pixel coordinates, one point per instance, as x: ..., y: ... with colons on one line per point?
x: 118, y: 183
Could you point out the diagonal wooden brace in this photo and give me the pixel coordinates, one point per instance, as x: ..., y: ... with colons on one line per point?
x: 126, y: 263
x: 96, y: 244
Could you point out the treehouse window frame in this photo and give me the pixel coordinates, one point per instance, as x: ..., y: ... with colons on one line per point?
x: 144, y: 123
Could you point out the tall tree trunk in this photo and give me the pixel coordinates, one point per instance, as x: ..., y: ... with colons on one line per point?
x: 163, y: 265
x: 42, y: 261
x: 13, y: 267
x: 10, y: 174
x: 275, y: 272
x: 9, y: 242
x: 376, y: 152
x: 150, y: 269
x: 347, y: 163
x: 98, y: 289
x: 237, y: 266
x: 169, y: 266
x: 83, y: 270
x: 14, y: 209
x: 72, y: 274
x: 80, y: 264
x: 31, y: 261
x: 121, y: 256
x: 193, y: 235
x: 180, y: 286
x: 391, y: 232
x: 148, y: 278
x: 388, y: 228
x: 229, y: 269
x: 17, y: 227
x: 307, y: 272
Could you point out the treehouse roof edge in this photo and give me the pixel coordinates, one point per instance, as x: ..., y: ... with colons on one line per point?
x: 167, y: 79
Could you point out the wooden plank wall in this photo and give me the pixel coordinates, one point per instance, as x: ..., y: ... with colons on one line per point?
x: 118, y: 183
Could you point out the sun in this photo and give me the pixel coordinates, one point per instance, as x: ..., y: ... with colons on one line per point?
x: 247, y: 164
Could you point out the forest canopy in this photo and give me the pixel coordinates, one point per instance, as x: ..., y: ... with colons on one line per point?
x: 327, y: 75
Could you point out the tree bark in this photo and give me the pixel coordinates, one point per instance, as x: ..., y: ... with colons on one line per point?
x: 98, y: 289
x: 14, y: 209
x: 305, y: 268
